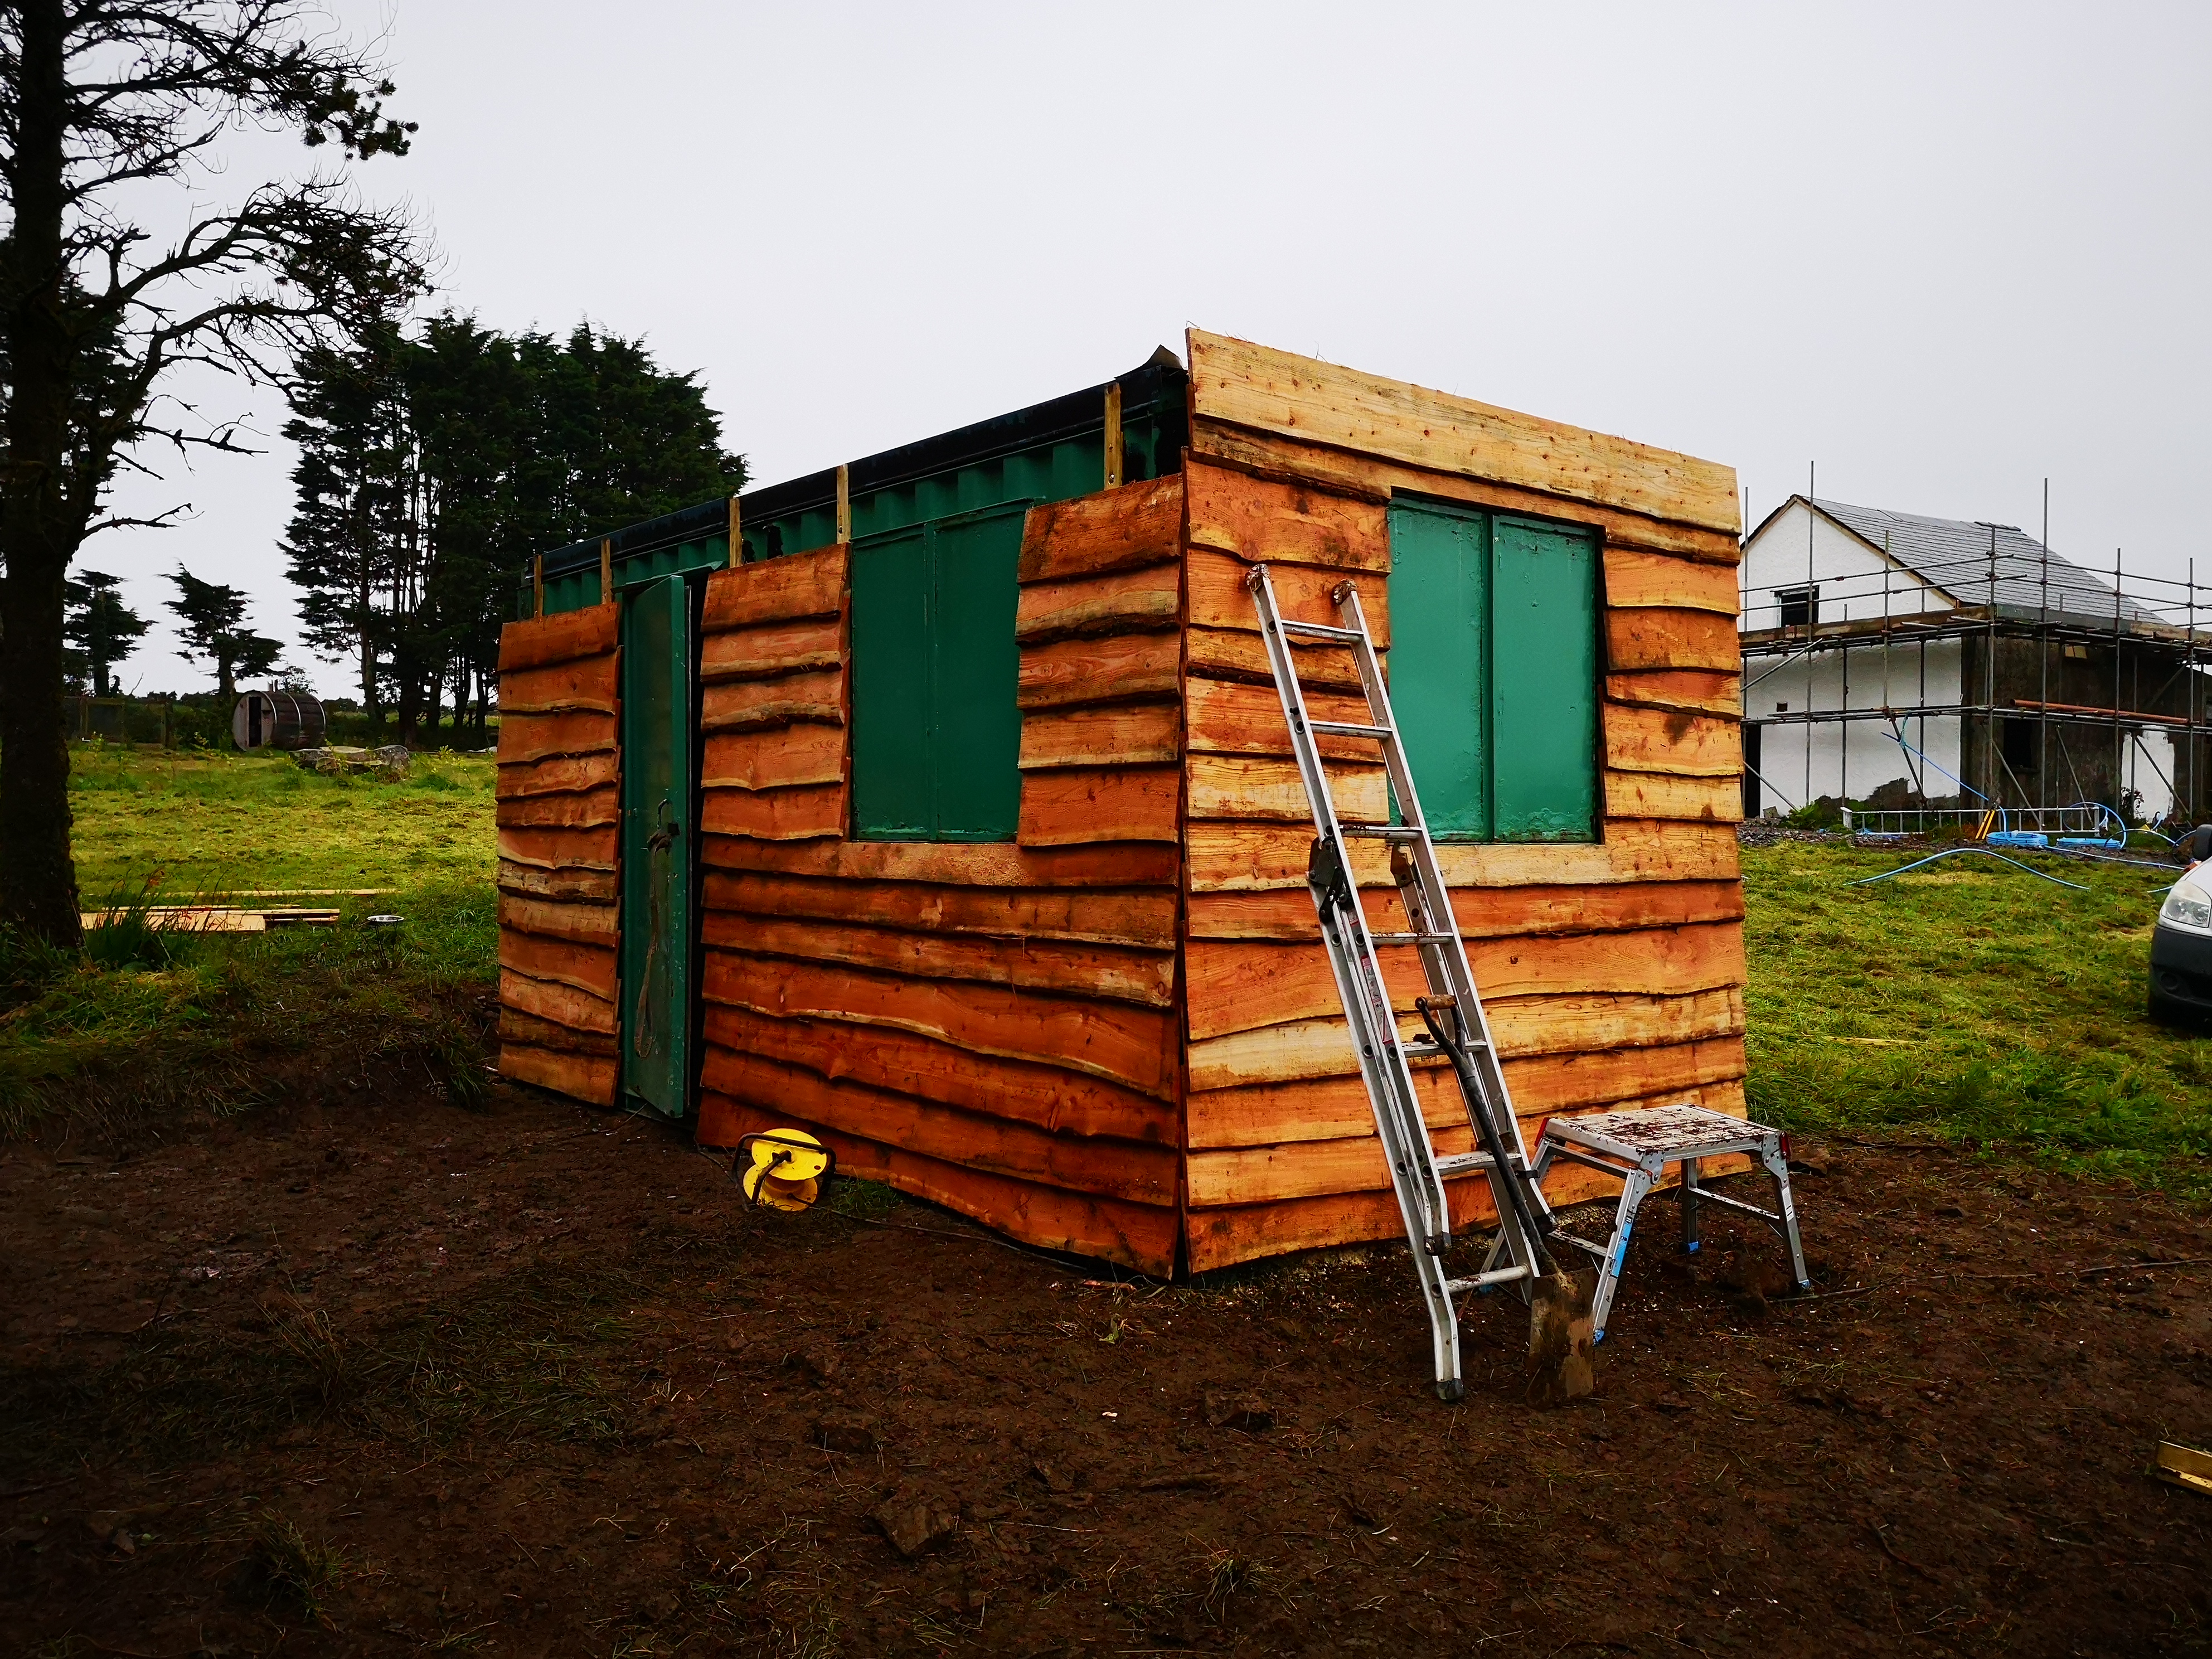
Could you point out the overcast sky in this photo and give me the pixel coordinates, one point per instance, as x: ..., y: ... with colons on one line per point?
x: 1944, y: 251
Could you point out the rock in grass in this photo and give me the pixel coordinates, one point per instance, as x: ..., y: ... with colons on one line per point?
x: 1225, y: 1409
x: 913, y: 1520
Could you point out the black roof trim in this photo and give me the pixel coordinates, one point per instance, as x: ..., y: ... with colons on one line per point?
x: 1159, y: 379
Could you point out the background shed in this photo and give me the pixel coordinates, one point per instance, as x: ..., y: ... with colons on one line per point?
x: 990, y: 866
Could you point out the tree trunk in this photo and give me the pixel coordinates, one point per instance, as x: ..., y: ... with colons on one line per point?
x: 40, y: 528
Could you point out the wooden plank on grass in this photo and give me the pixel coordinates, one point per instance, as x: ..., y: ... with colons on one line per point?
x: 1098, y: 671
x: 735, y: 705
x: 1075, y: 805
x: 980, y: 864
x: 800, y: 814
x: 1638, y: 640
x: 1219, y: 599
x: 1113, y: 1040
x: 1676, y: 743
x: 587, y: 683
x: 1249, y: 787
x: 772, y: 649
x: 1118, y: 602
x: 1257, y: 519
x: 1059, y: 1101
x: 1102, y: 734
x: 808, y: 584
x: 1269, y: 390
x: 773, y: 757
x: 1145, y: 920
x: 541, y: 642
x: 1133, y: 524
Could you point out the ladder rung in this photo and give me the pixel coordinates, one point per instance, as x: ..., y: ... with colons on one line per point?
x: 1461, y: 1162
x: 1384, y: 831
x: 1419, y: 1048
x: 1348, y: 729
x: 1410, y: 938
x: 1495, y: 1276
x: 1323, y: 631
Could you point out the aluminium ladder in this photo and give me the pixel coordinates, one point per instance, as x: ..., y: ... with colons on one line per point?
x: 1418, y: 1173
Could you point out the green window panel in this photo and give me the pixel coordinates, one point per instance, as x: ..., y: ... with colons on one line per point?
x: 1493, y: 671
x: 936, y: 733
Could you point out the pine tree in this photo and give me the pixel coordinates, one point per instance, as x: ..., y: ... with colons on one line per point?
x: 214, y: 619
x: 100, y: 628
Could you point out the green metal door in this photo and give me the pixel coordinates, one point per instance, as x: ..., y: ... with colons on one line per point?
x: 657, y: 853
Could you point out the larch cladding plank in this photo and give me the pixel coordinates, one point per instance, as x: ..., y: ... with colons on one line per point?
x: 1247, y: 787
x: 1480, y: 912
x: 559, y: 849
x: 1111, y: 971
x: 541, y: 642
x: 533, y: 1032
x: 556, y: 775
x: 584, y: 924
x: 1123, y: 666
x: 1315, y: 1168
x: 1130, y: 524
x: 1638, y: 640
x: 537, y: 737
x: 1250, y: 857
x: 1118, y: 602
x: 1542, y: 1085
x: 1637, y: 579
x: 1113, y: 1040
x: 587, y: 966
x: 1698, y: 691
x: 1229, y: 654
x: 562, y: 1005
x: 1219, y: 599
x: 1104, y: 916
x: 588, y: 1078
x: 1124, y: 1169
x: 1077, y: 805
x: 589, y: 811
x: 1257, y: 518
x: 1269, y: 390
x: 1270, y: 455
x: 1136, y: 1235
x: 556, y: 882
x: 1675, y: 744
x: 738, y: 705
x: 1242, y: 985
x: 808, y: 584
x: 1522, y: 1026
x: 1103, y: 734
x: 1058, y: 1101
x: 772, y: 649
x: 981, y: 864
x: 585, y: 684
x: 1648, y: 795
x: 800, y: 814
x: 1232, y: 717
x: 773, y: 757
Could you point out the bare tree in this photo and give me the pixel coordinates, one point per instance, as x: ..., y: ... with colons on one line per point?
x: 97, y: 99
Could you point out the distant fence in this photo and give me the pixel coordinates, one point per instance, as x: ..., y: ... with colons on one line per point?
x: 197, y: 722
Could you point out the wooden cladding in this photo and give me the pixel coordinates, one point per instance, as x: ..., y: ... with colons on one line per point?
x: 773, y: 699
x: 557, y: 810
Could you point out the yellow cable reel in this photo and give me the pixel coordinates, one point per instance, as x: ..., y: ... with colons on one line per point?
x: 786, y: 1168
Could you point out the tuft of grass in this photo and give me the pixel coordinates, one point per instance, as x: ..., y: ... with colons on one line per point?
x: 1972, y: 1004
x: 287, y: 1569
x: 861, y: 1200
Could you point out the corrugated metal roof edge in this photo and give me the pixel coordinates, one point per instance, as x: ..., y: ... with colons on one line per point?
x: 1143, y: 389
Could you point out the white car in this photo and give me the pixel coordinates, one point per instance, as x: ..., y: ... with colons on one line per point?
x: 2181, y: 952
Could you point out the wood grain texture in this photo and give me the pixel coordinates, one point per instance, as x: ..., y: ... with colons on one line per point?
x: 1257, y: 518
x: 1377, y: 478
x: 1674, y: 744
x: 1117, y: 602
x: 808, y: 584
x: 735, y: 705
x: 585, y: 684
x: 1133, y: 524
x: 541, y: 642
x: 1698, y: 690
x: 1219, y: 599
x: 1648, y: 795
x: 773, y: 758
x: 525, y: 737
x: 556, y: 775
x: 800, y: 814
x: 772, y: 649
x: 985, y: 864
x: 1638, y: 640
x: 530, y: 1031
x: 1235, y: 654
x: 1057, y: 1101
x: 556, y: 882
x: 588, y: 967
x: 1268, y: 391
x: 588, y: 811
x: 1233, y: 718
x: 1637, y: 578
x: 560, y: 1004
x: 1077, y: 805
x: 557, y: 849
x: 972, y: 1141
x: 1250, y: 786
x: 585, y: 924
x: 587, y: 1077
x: 1114, y: 972
x: 1136, y: 1235
x: 1145, y: 920
x: 1115, y: 1041
x: 1248, y: 857
x: 1480, y: 912
x: 1098, y: 671
x: 1103, y: 734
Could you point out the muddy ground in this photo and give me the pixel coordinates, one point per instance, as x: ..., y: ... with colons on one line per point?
x: 381, y: 1378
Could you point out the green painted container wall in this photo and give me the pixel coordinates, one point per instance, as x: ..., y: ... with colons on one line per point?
x: 579, y: 588
x: 659, y: 769
x: 1494, y: 670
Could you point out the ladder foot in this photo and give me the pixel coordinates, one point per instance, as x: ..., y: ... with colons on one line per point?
x: 1597, y: 1337
x: 1452, y: 1391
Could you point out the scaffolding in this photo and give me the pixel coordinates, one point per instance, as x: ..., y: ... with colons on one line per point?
x: 2022, y: 628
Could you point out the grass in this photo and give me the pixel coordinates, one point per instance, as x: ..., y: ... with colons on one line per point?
x: 1971, y: 1002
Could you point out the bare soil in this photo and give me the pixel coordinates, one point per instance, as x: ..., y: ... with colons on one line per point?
x: 390, y: 1376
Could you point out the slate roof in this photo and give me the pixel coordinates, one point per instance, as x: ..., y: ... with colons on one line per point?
x: 1953, y: 554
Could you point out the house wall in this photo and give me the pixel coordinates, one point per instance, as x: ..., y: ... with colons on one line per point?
x: 1613, y: 971
x: 559, y: 806
x: 1849, y: 573
x: 1794, y: 757
x: 988, y: 1026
